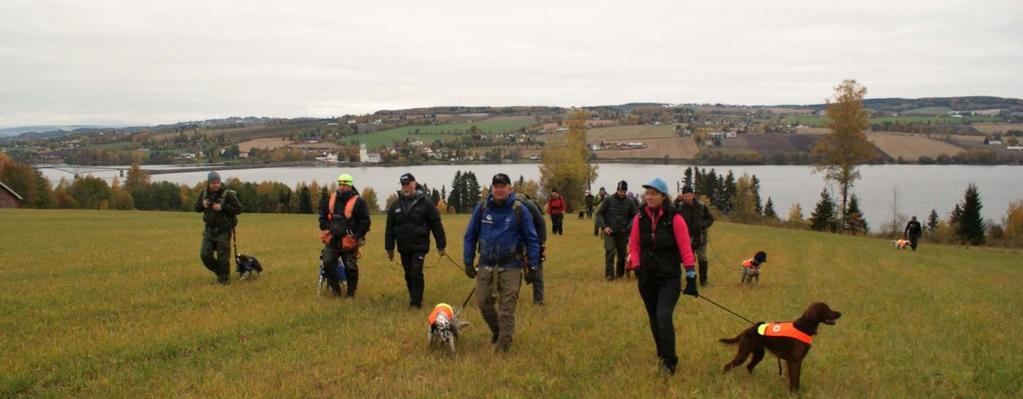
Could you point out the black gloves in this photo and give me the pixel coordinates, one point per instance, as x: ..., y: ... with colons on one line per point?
x: 691, y: 286
x: 470, y: 271
x: 530, y: 275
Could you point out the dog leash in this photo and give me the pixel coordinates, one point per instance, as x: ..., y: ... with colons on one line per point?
x: 725, y: 309
x: 453, y: 263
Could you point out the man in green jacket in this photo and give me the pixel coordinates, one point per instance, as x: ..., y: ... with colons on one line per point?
x: 220, y: 209
x: 698, y: 218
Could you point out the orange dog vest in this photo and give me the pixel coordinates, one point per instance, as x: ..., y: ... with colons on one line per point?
x: 441, y: 308
x: 783, y: 330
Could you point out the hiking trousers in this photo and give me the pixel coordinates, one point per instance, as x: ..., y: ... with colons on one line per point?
x: 538, y: 285
x: 332, y: 254
x: 557, y: 223
x: 659, y: 297
x: 615, y: 251
x: 499, y: 312
x: 216, y: 243
x: 913, y: 240
x: 412, y: 262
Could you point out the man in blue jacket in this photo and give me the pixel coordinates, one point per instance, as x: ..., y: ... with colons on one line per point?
x: 501, y: 227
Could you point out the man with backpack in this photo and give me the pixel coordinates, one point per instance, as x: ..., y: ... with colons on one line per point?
x: 220, y: 208
x: 541, y: 234
x: 410, y: 220
x: 597, y: 201
x: 556, y: 208
x: 344, y: 222
x: 698, y: 218
x: 502, y: 230
x: 615, y: 219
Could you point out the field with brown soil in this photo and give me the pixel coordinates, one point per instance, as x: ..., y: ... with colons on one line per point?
x: 770, y: 143
x: 911, y: 147
x: 269, y: 143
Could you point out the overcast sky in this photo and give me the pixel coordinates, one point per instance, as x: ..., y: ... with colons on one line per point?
x: 147, y: 62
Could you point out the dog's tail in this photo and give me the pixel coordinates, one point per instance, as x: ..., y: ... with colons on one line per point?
x: 729, y: 341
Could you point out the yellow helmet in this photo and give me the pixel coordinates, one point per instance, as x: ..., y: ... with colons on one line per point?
x: 345, y: 179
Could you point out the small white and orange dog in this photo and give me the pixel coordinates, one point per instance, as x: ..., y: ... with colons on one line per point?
x: 444, y: 327
x: 900, y: 243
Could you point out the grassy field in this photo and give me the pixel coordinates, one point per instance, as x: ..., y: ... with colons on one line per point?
x: 429, y: 133
x: 118, y: 305
x: 911, y: 147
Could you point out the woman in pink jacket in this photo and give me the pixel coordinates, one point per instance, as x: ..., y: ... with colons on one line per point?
x: 658, y: 246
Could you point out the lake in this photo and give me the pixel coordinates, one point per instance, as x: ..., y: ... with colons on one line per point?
x: 920, y: 188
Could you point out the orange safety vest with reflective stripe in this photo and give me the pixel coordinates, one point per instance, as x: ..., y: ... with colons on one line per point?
x: 349, y: 206
x: 783, y: 330
x: 441, y: 308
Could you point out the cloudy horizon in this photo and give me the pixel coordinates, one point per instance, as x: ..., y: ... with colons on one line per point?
x: 128, y: 63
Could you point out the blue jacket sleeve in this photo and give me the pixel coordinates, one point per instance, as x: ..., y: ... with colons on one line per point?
x: 532, y: 241
x: 472, y: 236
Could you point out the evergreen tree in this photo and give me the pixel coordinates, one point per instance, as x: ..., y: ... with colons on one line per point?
x: 953, y: 218
x: 823, y: 217
x: 688, y: 177
x: 854, y: 220
x: 756, y: 195
x: 971, y: 226
x: 932, y: 220
x: 455, y: 199
x: 769, y: 210
x: 305, y: 199
x: 728, y: 193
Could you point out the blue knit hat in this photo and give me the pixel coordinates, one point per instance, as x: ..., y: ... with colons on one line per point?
x: 658, y: 184
x: 213, y: 176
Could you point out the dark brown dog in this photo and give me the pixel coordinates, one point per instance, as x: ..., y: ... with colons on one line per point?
x: 792, y: 350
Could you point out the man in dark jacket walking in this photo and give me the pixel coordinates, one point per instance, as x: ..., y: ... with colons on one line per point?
x: 913, y: 232
x: 410, y: 220
x: 220, y: 208
x: 344, y: 222
x: 614, y: 218
x: 698, y: 219
x: 502, y: 230
x: 589, y: 205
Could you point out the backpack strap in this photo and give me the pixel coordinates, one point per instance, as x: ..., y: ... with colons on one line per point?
x: 350, y: 206
x: 330, y: 209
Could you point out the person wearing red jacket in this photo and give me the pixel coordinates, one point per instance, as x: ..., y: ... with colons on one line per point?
x: 556, y: 208
x: 658, y: 244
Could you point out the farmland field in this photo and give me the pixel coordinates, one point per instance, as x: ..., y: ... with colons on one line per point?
x: 661, y: 141
x: 911, y: 147
x: 126, y: 310
x: 429, y: 133
x: 770, y: 143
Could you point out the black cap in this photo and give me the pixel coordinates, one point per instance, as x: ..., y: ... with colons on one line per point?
x: 554, y: 190
x: 623, y: 185
x: 405, y: 178
x: 687, y: 189
x: 501, y: 178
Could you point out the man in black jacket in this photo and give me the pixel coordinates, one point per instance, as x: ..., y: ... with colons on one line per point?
x: 220, y: 209
x: 913, y: 232
x: 410, y: 220
x: 698, y: 219
x: 614, y: 218
x: 344, y: 222
x: 536, y: 277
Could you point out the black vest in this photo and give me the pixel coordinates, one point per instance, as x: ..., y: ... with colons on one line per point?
x: 659, y: 255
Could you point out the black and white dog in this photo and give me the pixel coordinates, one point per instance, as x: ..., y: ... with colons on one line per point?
x: 248, y: 266
x: 444, y: 327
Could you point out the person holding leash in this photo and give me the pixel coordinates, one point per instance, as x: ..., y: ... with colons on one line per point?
x: 615, y: 219
x: 344, y: 222
x: 220, y: 209
x: 410, y: 220
x: 658, y: 244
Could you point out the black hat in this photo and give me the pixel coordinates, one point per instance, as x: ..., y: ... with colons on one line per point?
x: 554, y: 190
x: 623, y: 186
x: 760, y: 257
x: 501, y: 178
x: 405, y: 178
x: 687, y: 189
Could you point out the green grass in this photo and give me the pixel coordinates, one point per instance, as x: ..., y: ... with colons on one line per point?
x: 117, y: 304
x: 429, y: 133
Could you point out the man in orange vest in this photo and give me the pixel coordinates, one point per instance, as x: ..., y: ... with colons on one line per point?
x: 344, y: 222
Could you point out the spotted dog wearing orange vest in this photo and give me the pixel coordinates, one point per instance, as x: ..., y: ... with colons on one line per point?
x: 788, y: 341
x: 444, y: 326
x: 751, y: 267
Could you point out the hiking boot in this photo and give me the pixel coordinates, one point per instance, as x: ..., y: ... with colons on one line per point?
x: 223, y: 279
x: 666, y: 370
x: 414, y: 306
x: 538, y: 303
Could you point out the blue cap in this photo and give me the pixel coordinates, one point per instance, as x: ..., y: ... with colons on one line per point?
x: 213, y: 176
x: 658, y: 184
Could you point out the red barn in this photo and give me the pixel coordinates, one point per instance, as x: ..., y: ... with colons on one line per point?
x: 8, y: 198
